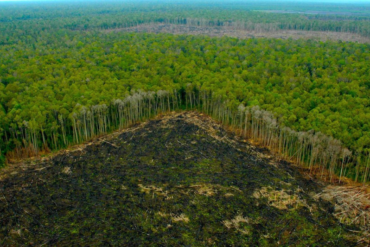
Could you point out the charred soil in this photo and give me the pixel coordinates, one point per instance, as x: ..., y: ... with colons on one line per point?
x: 179, y: 179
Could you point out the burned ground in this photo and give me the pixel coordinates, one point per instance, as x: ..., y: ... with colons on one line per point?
x: 176, y: 180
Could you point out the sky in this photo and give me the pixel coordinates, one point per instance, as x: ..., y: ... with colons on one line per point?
x: 298, y: 1
x: 332, y: 1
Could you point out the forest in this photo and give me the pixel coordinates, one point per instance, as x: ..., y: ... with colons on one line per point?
x: 65, y: 80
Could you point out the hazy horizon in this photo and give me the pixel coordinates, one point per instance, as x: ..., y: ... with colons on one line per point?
x: 231, y: 1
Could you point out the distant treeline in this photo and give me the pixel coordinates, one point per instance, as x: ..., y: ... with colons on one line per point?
x: 31, y: 19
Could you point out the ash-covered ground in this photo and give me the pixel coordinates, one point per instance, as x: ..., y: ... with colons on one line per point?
x: 178, y: 180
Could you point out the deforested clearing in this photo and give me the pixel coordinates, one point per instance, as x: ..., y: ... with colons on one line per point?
x: 177, y: 179
x: 238, y: 32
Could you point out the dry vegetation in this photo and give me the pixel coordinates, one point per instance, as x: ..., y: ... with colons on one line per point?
x: 352, y: 206
x: 244, y: 34
x: 236, y: 223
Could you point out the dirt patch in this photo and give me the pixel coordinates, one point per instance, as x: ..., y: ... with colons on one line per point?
x: 243, y: 34
x: 176, y: 180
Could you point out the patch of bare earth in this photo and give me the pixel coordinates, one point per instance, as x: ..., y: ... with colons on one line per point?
x: 231, y: 31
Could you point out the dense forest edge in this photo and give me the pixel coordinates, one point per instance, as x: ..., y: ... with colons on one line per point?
x: 310, y: 149
x: 63, y: 81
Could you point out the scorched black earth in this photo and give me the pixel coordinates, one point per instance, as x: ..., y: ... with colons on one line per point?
x: 177, y: 180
